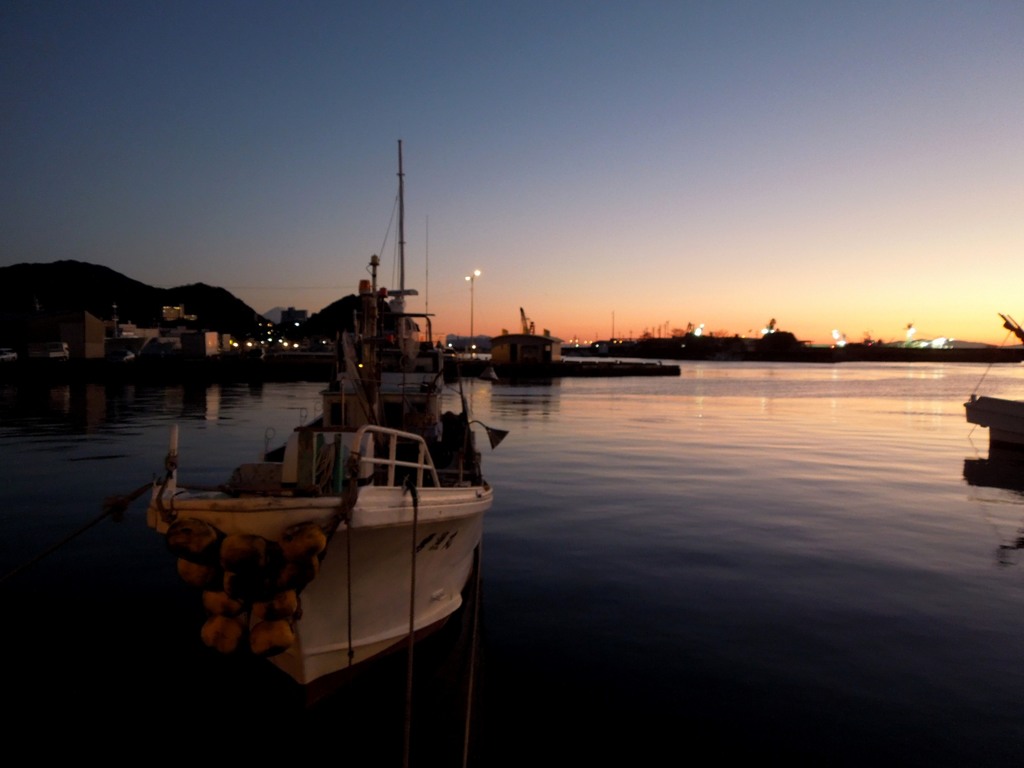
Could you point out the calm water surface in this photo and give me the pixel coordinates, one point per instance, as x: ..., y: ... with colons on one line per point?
x: 755, y: 561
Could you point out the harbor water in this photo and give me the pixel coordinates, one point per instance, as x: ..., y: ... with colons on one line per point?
x: 810, y: 563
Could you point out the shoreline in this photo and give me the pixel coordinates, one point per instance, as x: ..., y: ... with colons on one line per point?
x: 228, y: 370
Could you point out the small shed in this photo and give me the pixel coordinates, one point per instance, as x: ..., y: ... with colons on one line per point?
x: 512, y: 348
x: 83, y: 332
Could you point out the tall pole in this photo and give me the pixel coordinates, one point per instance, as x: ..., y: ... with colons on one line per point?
x: 472, y: 279
x: 401, y: 221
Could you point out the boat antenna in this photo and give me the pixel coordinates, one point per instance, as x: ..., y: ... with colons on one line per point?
x: 426, y: 276
x: 401, y: 221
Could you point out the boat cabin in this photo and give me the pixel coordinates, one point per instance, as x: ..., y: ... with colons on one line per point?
x: 513, y: 348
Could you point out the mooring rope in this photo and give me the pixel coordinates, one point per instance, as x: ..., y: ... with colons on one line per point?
x: 348, y: 591
x: 344, y: 514
x: 324, y: 473
x: 410, y: 486
x: 473, y: 651
x: 114, y: 506
x: 353, y: 482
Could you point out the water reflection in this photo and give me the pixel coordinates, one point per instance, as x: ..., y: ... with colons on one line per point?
x: 86, y: 408
x: 77, y: 408
x: 1002, y: 469
x: 521, y: 401
x: 998, y: 483
x: 1006, y: 554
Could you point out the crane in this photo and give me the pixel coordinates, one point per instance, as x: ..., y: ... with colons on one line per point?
x: 528, y: 326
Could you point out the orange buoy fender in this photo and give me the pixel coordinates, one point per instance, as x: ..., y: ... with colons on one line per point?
x: 269, y: 638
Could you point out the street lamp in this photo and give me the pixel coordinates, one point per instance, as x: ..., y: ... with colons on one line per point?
x: 471, y: 278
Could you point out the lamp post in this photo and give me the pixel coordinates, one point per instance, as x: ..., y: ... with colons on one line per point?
x: 471, y: 278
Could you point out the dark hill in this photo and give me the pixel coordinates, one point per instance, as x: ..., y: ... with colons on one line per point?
x: 76, y: 285
x: 334, y: 318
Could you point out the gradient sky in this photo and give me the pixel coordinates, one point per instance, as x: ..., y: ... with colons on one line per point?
x: 606, y: 165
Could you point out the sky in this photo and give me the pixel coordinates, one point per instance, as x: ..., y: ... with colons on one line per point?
x: 611, y: 168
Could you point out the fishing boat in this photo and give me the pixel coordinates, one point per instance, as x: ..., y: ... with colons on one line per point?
x: 1004, y: 418
x: 359, y: 534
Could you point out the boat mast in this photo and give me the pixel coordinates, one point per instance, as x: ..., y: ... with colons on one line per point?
x: 406, y: 330
x: 401, y: 224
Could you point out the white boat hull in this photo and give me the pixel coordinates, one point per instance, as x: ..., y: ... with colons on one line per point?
x: 380, y: 593
x: 342, y: 623
x: 1004, y: 419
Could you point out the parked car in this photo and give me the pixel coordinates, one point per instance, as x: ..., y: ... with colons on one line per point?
x: 8, y: 355
x: 120, y: 356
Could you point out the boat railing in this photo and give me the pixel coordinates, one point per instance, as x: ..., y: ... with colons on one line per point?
x: 364, y: 445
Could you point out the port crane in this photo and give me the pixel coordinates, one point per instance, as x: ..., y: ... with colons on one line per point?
x: 528, y: 325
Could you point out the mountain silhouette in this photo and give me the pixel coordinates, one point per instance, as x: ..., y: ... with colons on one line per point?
x: 75, y: 285
x: 333, y: 319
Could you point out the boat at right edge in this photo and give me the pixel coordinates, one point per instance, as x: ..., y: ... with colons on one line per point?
x: 1003, y: 418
